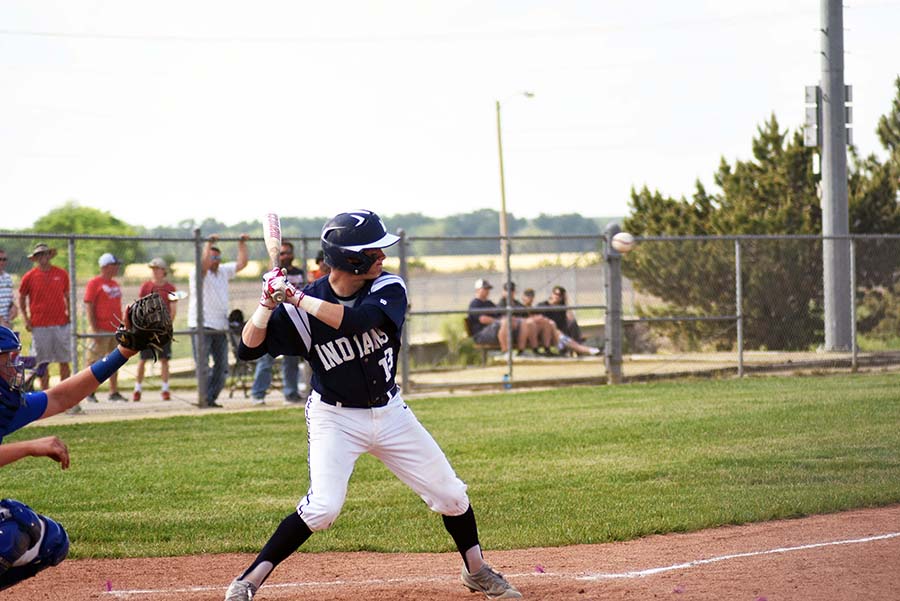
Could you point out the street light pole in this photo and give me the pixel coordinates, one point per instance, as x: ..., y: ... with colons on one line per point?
x: 504, y: 223
x: 504, y: 229
x: 504, y: 245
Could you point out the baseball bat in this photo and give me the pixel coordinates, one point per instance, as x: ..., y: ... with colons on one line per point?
x: 272, y: 238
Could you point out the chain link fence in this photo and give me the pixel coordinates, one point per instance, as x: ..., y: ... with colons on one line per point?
x: 754, y: 303
x: 689, y: 305
x: 440, y: 353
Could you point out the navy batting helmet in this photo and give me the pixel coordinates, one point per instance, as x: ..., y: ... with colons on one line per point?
x: 9, y: 343
x: 347, y: 235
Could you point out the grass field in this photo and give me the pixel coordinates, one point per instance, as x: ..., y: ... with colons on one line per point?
x: 574, y: 465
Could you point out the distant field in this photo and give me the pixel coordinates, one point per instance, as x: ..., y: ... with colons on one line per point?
x: 438, y: 263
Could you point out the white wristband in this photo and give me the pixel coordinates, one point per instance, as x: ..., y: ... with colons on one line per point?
x: 310, y: 304
x: 260, y: 317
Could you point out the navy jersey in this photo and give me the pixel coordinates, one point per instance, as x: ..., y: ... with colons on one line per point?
x: 19, y: 409
x: 351, y: 365
x: 476, y: 326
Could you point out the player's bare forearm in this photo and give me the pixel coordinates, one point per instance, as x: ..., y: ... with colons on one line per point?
x: 71, y: 391
x: 331, y: 314
x: 252, y: 335
x: 13, y: 451
x: 49, y: 446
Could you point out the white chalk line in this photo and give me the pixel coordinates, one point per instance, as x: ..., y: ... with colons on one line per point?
x: 701, y: 562
x: 122, y: 594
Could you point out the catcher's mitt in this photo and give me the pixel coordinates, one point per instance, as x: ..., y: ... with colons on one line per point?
x: 147, y: 325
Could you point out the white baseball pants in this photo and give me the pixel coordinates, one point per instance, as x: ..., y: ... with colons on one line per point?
x: 339, y: 435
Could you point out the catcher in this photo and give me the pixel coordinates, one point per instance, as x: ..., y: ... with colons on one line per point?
x: 30, y: 542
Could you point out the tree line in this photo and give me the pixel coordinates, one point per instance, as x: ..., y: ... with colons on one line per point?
x: 170, y: 241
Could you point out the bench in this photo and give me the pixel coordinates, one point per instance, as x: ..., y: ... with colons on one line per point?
x: 483, y: 347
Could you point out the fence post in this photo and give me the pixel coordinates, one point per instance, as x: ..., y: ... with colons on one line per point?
x: 404, y: 333
x: 612, y: 349
x: 201, y: 357
x: 73, y: 306
x: 506, y: 243
x: 739, y: 304
x: 854, y: 349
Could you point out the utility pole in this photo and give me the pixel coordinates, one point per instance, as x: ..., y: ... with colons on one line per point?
x: 835, y: 212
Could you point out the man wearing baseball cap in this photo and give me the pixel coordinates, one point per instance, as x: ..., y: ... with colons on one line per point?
x: 44, y: 305
x: 103, y: 304
x: 485, y: 328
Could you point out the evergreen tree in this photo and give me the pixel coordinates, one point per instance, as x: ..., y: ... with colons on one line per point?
x: 774, y: 193
x: 889, y: 128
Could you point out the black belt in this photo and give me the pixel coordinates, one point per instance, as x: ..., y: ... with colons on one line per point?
x: 379, y: 401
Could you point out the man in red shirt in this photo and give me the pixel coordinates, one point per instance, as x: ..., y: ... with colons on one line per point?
x: 103, y: 302
x: 44, y: 304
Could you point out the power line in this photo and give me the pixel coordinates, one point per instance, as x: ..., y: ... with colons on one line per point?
x: 401, y: 37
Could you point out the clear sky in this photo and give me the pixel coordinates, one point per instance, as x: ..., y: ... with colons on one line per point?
x: 176, y: 109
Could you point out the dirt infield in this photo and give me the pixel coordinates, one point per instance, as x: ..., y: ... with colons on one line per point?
x: 839, y: 557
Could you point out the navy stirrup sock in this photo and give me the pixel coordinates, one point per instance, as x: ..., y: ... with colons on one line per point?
x: 287, y: 538
x: 463, y: 530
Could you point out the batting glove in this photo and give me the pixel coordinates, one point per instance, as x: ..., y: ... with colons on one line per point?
x: 267, y: 302
x: 273, y: 281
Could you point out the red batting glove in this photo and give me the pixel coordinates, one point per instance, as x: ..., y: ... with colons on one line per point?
x: 273, y: 281
x: 266, y: 301
x: 290, y: 291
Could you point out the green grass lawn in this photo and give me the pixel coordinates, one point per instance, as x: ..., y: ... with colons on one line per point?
x: 573, y: 465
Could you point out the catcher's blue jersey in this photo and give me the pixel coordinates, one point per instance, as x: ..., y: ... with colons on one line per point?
x: 19, y: 409
x: 354, y: 368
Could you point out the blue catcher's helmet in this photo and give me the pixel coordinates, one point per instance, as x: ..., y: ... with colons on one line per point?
x: 9, y: 343
x: 347, y: 235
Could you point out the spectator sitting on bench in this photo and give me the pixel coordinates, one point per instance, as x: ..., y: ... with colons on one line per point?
x: 528, y: 297
x: 544, y: 335
x: 491, y: 328
x: 546, y: 331
x: 564, y: 318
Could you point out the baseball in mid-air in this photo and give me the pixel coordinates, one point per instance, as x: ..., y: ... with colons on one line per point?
x: 623, y: 242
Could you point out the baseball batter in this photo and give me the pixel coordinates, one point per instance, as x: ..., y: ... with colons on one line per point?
x: 347, y: 326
